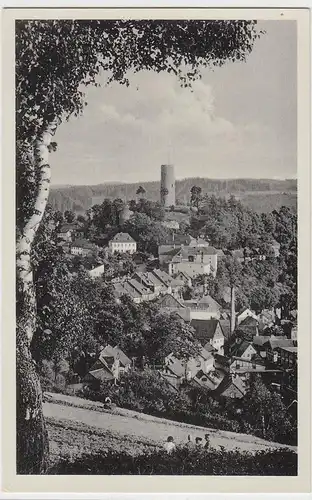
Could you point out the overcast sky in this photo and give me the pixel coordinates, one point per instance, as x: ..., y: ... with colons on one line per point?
x: 240, y: 121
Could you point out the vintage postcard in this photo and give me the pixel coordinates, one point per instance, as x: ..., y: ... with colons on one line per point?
x: 156, y: 250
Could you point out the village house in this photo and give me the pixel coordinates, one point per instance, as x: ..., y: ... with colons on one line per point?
x: 67, y: 232
x: 123, y: 288
x: 259, y: 342
x: 198, y: 369
x: 195, y: 261
x: 122, y: 243
x: 249, y: 327
x: 199, y: 243
x: 96, y: 272
x: 112, y: 362
x: 170, y: 304
x: 226, y: 327
x: 209, y: 332
x: 244, y: 358
x: 185, y: 277
x: 234, y: 388
x: 287, y: 357
x: 168, y: 249
x: 243, y: 350
x: 171, y: 224
x: 289, y: 328
x: 148, y: 286
x: 145, y: 293
x: 174, y: 371
x: 82, y: 247
x: 204, y: 308
x: 273, y: 348
x: 243, y: 314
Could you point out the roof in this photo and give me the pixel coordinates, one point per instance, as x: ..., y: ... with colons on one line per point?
x: 236, y: 383
x: 114, y: 352
x: 175, y: 366
x: 122, y: 356
x: 239, y: 349
x: 198, y: 241
x: 177, y: 239
x: 206, y: 303
x: 281, y: 342
x: 145, y: 278
x: 138, y: 286
x: 169, y: 300
x: 184, y: 274
x: 290, y: 349
x: 226, y: 327
x: 130, y: 290
x: 204, y: 353
x: 103, y: 373
x: 188, y: 250
x: 259, y: 340
x: 241, y: 311
x: 209, y: 348
x: 204, y: 329
x: 184, y: 314
x: 170, y: 250
x: 67, y: 227
x: 249, y: 321
x: 176, y: 283
x: 164, y: 277
x: 220, y: 252
x: 123, y: 238
x: 83, y: 244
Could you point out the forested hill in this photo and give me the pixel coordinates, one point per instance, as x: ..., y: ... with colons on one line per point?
x: 259, y: 194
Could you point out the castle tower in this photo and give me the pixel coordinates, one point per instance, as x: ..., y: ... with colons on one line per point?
x: 167, y: 186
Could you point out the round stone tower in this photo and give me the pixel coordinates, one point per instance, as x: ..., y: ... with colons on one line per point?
x: 167, y: 186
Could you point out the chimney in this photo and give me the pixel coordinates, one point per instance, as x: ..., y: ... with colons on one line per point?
x: 232, y: 309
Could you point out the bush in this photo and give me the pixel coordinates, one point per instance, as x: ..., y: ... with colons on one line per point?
x: 146, y: 392
x: 183, y: 461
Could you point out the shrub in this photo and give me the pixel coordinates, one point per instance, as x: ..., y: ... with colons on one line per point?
x: 183, y: 461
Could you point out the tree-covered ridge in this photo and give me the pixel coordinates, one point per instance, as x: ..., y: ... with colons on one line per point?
x: 260, y: 194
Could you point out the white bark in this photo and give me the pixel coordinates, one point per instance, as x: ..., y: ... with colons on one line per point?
x: 24, y: 243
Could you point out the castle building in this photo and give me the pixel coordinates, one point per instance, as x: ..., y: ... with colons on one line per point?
x: 167, y: 186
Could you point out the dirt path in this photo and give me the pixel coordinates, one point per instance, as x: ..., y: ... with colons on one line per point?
x: 136, y: 426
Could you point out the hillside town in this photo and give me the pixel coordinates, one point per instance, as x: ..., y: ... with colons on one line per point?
x: 156, y: 246
x: 232, y: 343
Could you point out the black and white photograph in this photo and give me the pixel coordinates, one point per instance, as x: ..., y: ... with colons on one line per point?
x: 156, y: 168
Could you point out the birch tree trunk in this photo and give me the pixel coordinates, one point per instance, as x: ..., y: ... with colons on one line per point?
x: 32, y: 440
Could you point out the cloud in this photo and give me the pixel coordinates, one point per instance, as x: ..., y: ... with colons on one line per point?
x: 158, y: 109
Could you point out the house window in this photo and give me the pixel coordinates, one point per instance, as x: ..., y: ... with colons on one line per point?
x: 191, y: 258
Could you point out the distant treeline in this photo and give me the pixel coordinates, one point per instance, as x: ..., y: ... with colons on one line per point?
x: 259, y: 194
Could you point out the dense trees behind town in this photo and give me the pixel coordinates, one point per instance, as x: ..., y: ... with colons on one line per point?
x: 259, y: 194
